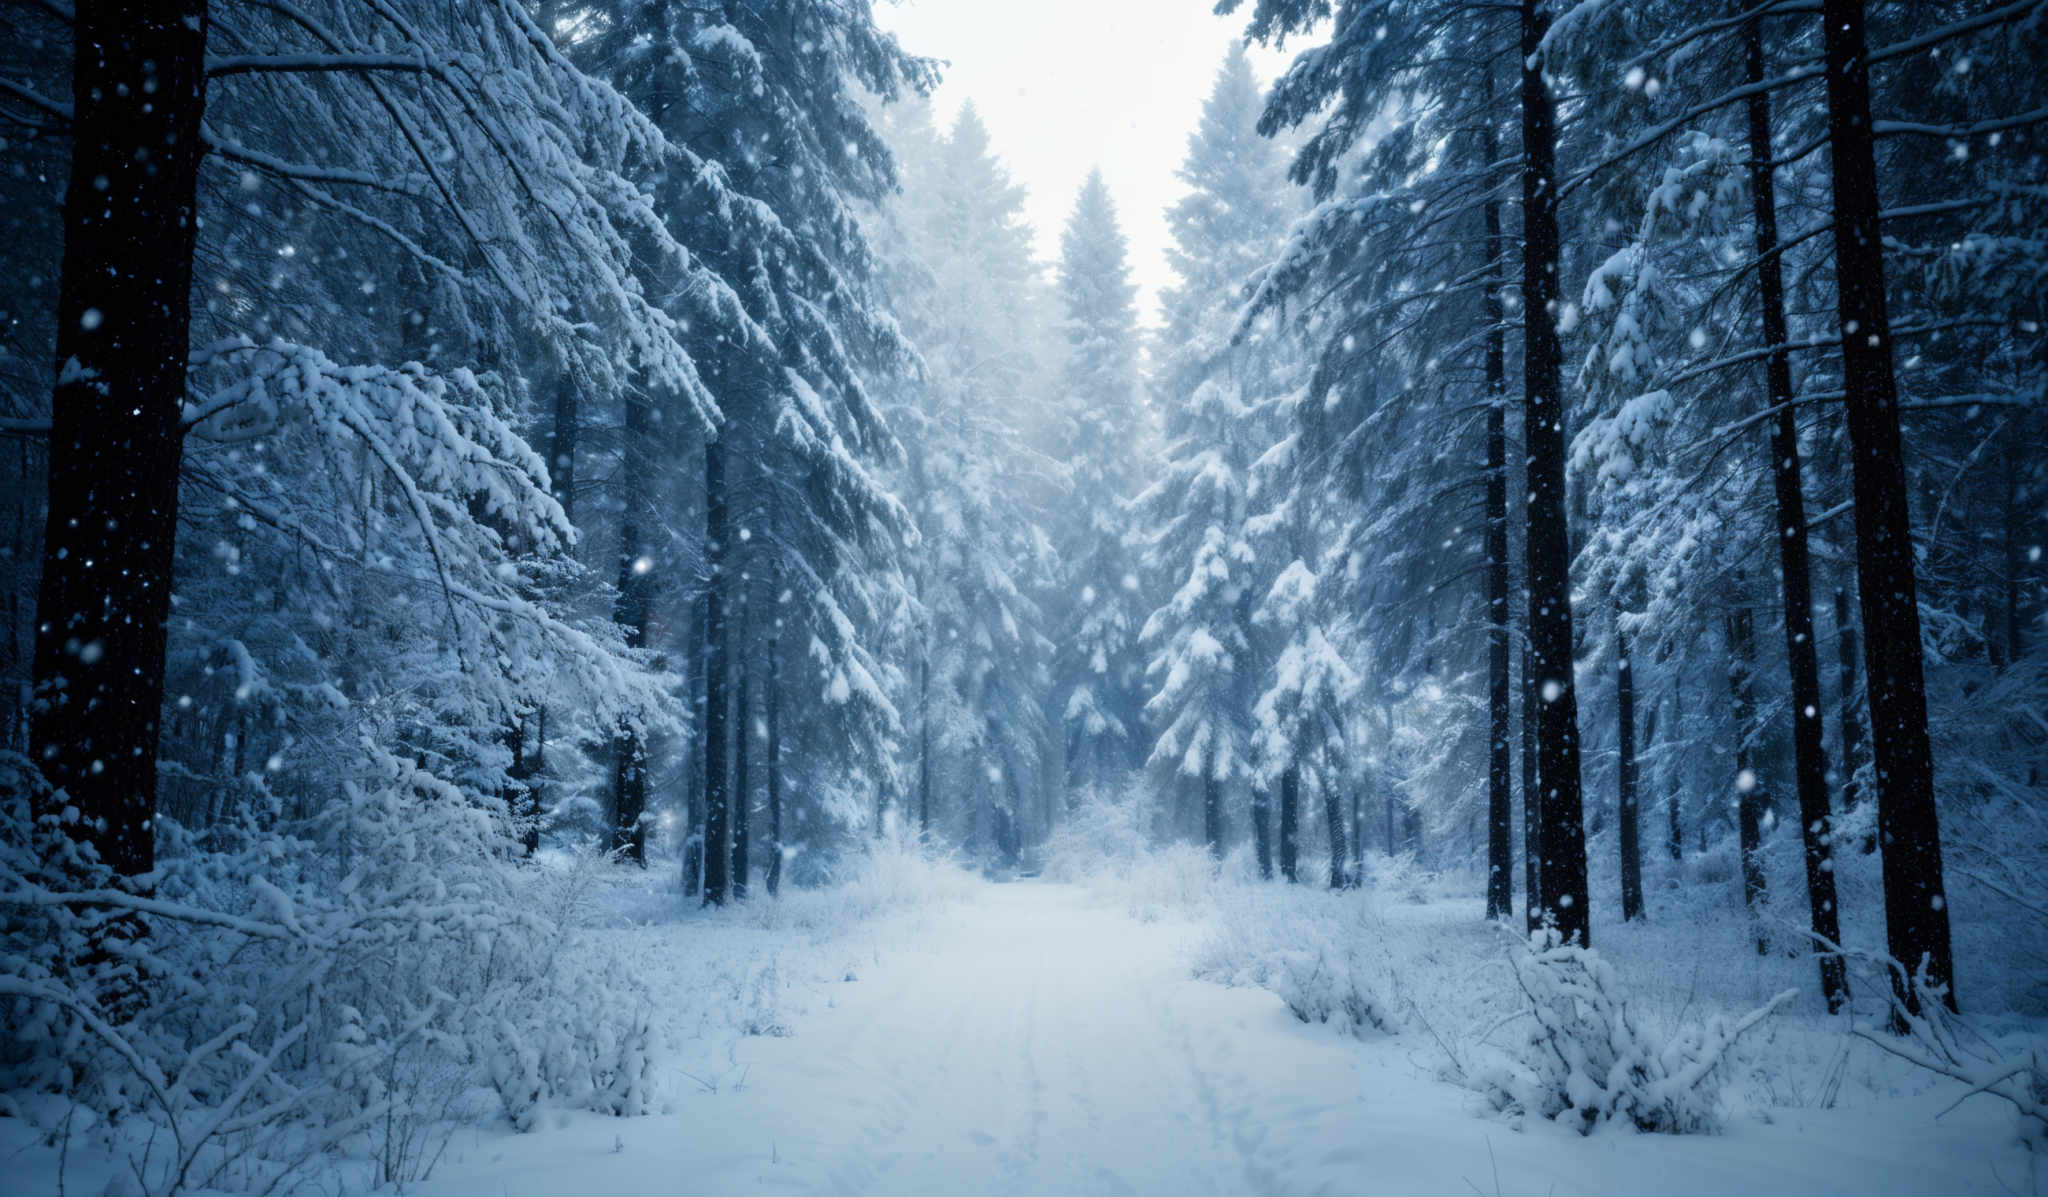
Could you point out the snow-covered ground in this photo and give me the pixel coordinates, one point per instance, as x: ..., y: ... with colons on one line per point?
x: 1032, y: 1038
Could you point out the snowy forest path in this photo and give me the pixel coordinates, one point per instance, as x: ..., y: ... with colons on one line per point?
x: 1035, y: 1041
x: 1031, y: 1043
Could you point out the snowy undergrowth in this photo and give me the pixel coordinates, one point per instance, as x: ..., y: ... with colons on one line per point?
x: 760, y: 966
x: 1586, y: 1060
x: 1103, y: 846
x: 885, y: 875
x: 1320, y: 952
x: 344, y: 987
x: 336, y: 1002
x: 1653, y: 1031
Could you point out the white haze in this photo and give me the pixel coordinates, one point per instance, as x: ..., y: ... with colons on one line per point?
x: 1068, y: 85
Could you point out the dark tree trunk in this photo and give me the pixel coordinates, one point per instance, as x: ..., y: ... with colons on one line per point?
x: 562, y: 483
x: 1357, y: 877
x: 1549, y: 537
x: 2010, y: 518
x: 1795, y: 568
x: 1532, y: 803
x: 1749, y: 788
x: 1625, y: 771
x: 1333, y: 814
x: 1850, y: 718
x: 562, y: 446
x: 1262, y: 832
x: 630, y: 612
x: 717, y: 703
x: 520, y: 794
x: 1909, y: 827
x: 537, y: 769
x: 1500, y: 814
x: 124, y: 315
x: 742, y: 788
x: 1290, y: 822
x: 1672, y: 806
x: 924, y: 746
x: 1212, y: 811
x: 693, y: 847
x: 775, y: 758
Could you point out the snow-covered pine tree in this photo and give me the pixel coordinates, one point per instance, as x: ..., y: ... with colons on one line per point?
x: 977, y: 660
x: 1219, y: 402
x: 1100, y: 431
x: 775, y: 98
x: 409, y: 229
x: 1399, y: 424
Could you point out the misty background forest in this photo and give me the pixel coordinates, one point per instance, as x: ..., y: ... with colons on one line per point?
x: 595, y: 599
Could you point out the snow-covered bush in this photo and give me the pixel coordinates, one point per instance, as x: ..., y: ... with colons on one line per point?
x: 1329, y: 984
x: 1587, y: 1060
x: 1399, y: 875
x: 1104, y: 833
x: 1159, y: 883
x: 354, y: 982
x: 876, y: 875
x: 1936, y: 1039
x: 1314, y: 950
x: 1104, y: 845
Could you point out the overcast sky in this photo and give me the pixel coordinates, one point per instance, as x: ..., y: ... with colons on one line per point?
x: 1066, y: 85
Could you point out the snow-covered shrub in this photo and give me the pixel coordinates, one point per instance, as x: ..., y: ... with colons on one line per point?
x: 1104, y: 844
x: 1104, y: 833
x: 1587, y: 1060
x: 756, y: 992
x: 1399, y: 875
x: 1329, y: 984
x: 351, y: 982
x: 877, y: 875
x: 1177, y: 877
x: 1314, y: 950
x: 1936, y: 1039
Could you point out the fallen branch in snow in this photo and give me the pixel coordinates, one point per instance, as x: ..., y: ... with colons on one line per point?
x: 1938, y: 1040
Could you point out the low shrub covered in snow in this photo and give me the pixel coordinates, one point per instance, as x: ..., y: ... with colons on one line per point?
x: 1104, y: 846
x: 356, y: 981
x: 1104, y: 834
x: 1927, y: 1034
x: 893, y: 871
x: 1400, y: 876
x: 1587, y: 1060
x: 1310, y: 948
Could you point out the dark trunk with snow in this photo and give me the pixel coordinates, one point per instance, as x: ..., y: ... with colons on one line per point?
x: 742, y: 786
x: 1848, y: 714
x: 2011, y: 519
x: 116, y: 429
x: 924, y: 745
x: 1549, y: 537
x: 716, y: 730
x: 774, y: 716
x: 1673, y: 807
x: 1262, y: 830
x: 562, y: 444
x: 1290, y: 823
x: 1626, y: 777
x: 693, y: 756
x: 630, y: 611
x: 1500, y: 815
x: 1909, y: 828
x: 1795, y: 569
x: 1212, y: 812
x: 1333, y: 817
x: 1750, y: 793
x: 1532, y: 802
